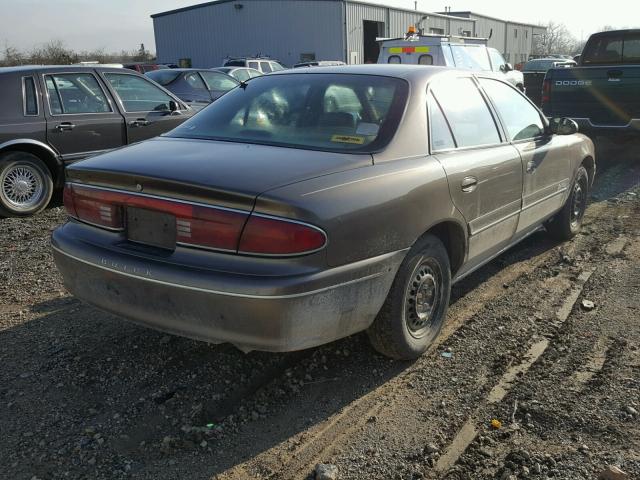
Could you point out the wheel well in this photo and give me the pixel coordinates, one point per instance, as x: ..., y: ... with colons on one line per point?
x: 452, y: 237
x: 42, y: 153
x: 590, y: 165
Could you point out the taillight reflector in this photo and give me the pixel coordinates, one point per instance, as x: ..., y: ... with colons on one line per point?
x: 271, y: 236
x: 546, y: 91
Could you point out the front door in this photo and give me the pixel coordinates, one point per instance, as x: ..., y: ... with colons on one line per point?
x: 546, y: 167
x: 81, y: 117
x: 484, y: 172
x: 145, y: 105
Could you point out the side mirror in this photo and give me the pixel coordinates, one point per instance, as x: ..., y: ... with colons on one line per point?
x: 174, y: 107
x: 508, y: 67
x: 563, y: 126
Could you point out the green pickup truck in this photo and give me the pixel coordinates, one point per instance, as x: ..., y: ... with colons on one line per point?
x: 602, y: 94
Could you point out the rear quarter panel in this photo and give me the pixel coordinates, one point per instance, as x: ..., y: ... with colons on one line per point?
x: 368, y: 211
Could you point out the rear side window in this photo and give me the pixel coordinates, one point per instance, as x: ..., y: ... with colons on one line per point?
x: 631, y: 49
x: 394, y: 59
x: 467, y: 112
x: 138, y: 94
x: 521, y: 120
x: 75, y: 93
x: 253, y: 65
x: 471, y: 57
x: 425, y: 60
x: 30, y: 97
x: 234, y: 63
x: 194, y: 81
x: 241, y: 74
x: 441, y: 137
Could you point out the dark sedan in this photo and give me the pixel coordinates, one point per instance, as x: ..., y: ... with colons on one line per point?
x: 194, y: 86
x: 315, y: 203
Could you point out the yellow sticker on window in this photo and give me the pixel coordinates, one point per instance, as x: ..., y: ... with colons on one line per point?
x: 348, y: 139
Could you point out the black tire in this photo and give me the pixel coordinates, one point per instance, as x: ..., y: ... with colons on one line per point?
x: 26, y: 185
x: 402, y: 329
x: 568, y: 221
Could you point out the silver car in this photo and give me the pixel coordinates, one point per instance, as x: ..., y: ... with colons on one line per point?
x: 316, y: 203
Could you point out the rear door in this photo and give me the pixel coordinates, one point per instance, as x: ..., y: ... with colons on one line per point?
x: 546, y: 165
x: 484, y: 172
x: 82, y: 118
x: 146, y: 107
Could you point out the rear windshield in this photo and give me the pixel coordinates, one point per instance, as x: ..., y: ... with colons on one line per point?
x: 163, y: 77
x: 612, y: 49
x: 538, y: 65
x: 330, y: 112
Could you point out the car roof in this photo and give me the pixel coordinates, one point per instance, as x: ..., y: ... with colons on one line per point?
x: 399, y: 71
x: 65, y: 68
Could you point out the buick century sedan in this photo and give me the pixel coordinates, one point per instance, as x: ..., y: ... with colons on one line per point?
x: 311, y: 204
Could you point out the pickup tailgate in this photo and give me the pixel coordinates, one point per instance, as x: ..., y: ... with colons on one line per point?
x: 605, y: 95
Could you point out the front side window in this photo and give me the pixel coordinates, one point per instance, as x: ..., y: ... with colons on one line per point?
x: 521, y: 120
x: 75, y: 93
x: 441, y: 136
x: 30, y: 97
x: 276, y: 67
x: 266, y: 67
x: 425, y: 60
x: 137, y: 93
x: 496, y: 59
x: 163, y: 77
x: 241, y: 74
x: 219, y: 81
x: 317, y: 111
x: 467, y: 112
x: 394, y: 59
x: 631, y: 48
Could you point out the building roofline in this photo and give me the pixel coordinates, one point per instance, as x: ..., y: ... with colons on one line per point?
x: 220, y: 2
x: 482, y: 15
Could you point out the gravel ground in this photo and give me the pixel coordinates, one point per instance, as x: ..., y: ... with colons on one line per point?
x: 86, y: 395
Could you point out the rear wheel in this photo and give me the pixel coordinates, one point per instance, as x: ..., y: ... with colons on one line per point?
x: 26, y: 185
x: 567, y: 222
x: 416, y: 306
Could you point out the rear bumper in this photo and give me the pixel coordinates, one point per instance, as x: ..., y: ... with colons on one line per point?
x: 253, y: 312
x: 586, y: 126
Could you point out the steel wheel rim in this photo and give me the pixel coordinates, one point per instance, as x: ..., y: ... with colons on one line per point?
x: 422, y: 298
x: 22, y: 187
x: 577, y: 204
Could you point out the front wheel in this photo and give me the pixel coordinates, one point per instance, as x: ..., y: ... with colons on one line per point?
x: 567, y: 222
x: 26, y: 185
x: 415, y: 309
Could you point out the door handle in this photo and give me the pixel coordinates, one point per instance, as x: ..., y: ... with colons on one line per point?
x: 469, y: 184
x: 139, y: 122
x: 65, y: 126
x: 531, y: 167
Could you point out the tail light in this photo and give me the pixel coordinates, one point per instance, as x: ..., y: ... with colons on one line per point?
x: 197, y: 225
x: 274, y: 236
x: 546, y: 91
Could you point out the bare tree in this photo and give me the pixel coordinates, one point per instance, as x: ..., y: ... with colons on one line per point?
x: 556, y: 40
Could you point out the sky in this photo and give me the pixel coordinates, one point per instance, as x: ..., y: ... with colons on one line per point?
x: 116, y: 25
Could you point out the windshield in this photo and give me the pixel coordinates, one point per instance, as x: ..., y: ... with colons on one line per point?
x: 316, y: 111
x: 473, y: 58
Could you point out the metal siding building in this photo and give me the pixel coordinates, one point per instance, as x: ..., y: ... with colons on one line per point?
x: 296, y: 30
x: 513, y: 39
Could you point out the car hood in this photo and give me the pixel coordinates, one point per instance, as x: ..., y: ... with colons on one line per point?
x: 232, y: 174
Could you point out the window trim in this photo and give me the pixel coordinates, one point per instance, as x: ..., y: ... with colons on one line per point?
x: 121, y: 104
x: 494, y: 115
x: 543, y: 118
x: 51, y: 74
x: 24, y: 96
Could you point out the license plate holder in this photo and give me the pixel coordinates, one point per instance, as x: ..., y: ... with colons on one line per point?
x: 150, y: 227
